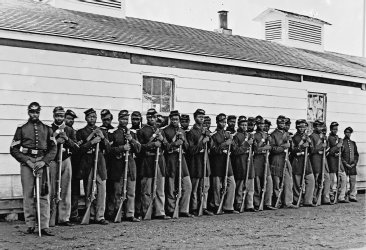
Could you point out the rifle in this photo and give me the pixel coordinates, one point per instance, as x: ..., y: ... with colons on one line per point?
x: 205, y: 156
x: 124, y: 194
x: 153, y: 194
x: 249, y: 165
x: 321, y: 185
x: 302, y: 188
x: 283, y: 180
x: 338, y: 169
x: 264, y: 180
x: 224, y: 188
x: 179, y: 194
x: 92, y: 197
x: 38, y: 202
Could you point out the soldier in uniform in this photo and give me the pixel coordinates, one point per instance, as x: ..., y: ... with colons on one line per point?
x: 152, y: 141
x: 38, y: 150
x: 260, y: 147
x: 350, y: 159
x: 231, y: 121
x: 267, y: 125
x: 251, y: 124
x: 337, y: 173
x: 176, y: 137
x: 184, y: 122
x: 75, y: 176
x: 319, y: 143
x: 90, y: 135
x: 280, y: 143
x: 197, y: 138
x: 219, y: 152
x: 207, y: 122
x: 65, y: 136
x: 242, y: 142
x: 123, y: 140
x: 301, y: 141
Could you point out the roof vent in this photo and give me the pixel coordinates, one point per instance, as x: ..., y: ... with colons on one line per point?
x: 223, y: 23
x: 293, y: 29
x: 113, y: 8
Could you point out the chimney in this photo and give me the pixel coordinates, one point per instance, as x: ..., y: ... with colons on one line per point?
x: 223, y: 23
x: 112, y: 8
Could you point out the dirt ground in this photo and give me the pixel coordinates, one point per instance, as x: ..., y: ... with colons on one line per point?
x: 341, y: 226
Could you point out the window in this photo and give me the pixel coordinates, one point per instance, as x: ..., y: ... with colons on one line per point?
x: 317, y: 104
x: 157, y: 93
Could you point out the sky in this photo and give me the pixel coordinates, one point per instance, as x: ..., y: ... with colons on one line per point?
x: 343, y: 36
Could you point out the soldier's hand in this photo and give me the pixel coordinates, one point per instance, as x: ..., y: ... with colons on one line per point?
x: 99, y: 133
x: 286, y: 145
x: 126, y: 147
x: 267, y: 147
x: 305, y: 144
x: 250, y: 141
x: 205, y: 132
x: 348, y: 166
x: 324, y: 145
x: 64, y: 136
x: 160, y: 137
x: 38, y: 165
x: 205, y: 140
x: 179, y: 142
x: 229, y: 141
x: 353, y: 165
x: 129, y: 137
x: 339, y: 145
x: 60, y: 140
x: 30, y: 164
x: 96, y: 140
x: 157, y: 144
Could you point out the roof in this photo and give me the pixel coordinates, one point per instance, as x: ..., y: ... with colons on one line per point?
x: 288, y: 13
x: 40, y: 18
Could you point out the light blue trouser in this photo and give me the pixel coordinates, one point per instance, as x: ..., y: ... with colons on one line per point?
x: 250, y: 193
x: 307, y: 198
x: 130, y: 195
x: 98, y: 205
x: 196, y: 192
x: 230, y: 194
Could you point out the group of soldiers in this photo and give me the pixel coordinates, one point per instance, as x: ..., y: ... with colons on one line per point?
x: 164, y: 171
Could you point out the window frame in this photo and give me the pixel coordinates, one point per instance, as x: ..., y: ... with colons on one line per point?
x: 310, y: 122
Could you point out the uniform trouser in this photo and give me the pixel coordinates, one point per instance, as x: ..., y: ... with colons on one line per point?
x: 64, y: 205
x: 98, y: 205
x: 287, y: 194
x: 197, y: 192
x: 239, y: 192
x: 353, y: 189
x: 258, y: 184
x: 130, y: 196
x: 110, y: 198
x: 307, y: 197
x: 326, y: 186
x: 138, y: 204
x: 146, y: 191
x: 171, y: 195
x: 342, y: 184
x: 217, y: 184
x: 75, y: 195
x: 29, y: 200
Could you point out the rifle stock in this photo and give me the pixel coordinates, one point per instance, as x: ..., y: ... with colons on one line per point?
x: 153, y: 194
x: 302, y: 187
x: 179, y: 195
x: 91, y: 198
x: 205, y: 156
x: 338, y: 169
x: 282, y: 182
x: 264, y: 181
x: 38, y: 204
x: 321, y: 185
x: 57, y: 196
x: 224, y: 189
x: 249, y: 165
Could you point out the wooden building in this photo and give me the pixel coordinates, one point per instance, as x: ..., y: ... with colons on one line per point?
x: 54, y: 53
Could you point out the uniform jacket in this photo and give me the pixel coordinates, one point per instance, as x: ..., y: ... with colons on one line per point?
x: 298, y: 156
x: 118, y: 154
x: 350, y: 155
x: 240, y: 154
x: 137, y: 156
x: 259, y: 160
x: 278, y: 155
x: 218, y: 157
x: 87, y: 153
x: 195, y: 157
x: 146, y: 136
x: 333, y: 155
x: 37, y: 136
x: 75, y: 159
x: 107, y: 131
x: 69, y: 146
x: 316, y: 155
x: 172, y: 152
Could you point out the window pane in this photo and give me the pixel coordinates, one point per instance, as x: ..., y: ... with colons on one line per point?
x: 147, y: 86
x: 156, y: 87
x: 165, y: 105
x: 167, y: 87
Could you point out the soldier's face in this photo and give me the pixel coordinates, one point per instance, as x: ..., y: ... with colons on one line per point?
x: 260, y: 126
x: 151, y: 120
x: 266, y: 127
x: 243, y: 126
x: 334, y: 130
x: 123, y: 121
x: 231, y: 123
x: 348, y: 135
x: 33, y: 115
x: 174, y: 120
x: 91, y: 119
x: 69, y: 120
x: 281, y: 125
x: 318, y: 129
x: 185, y: 123
x: 59, y: 118
x: 107, y: 120
x: 301, y: 129
x: 287, y: 127
x: 207, y: 124
x: 250, y: 127
x: 199, y: 119
x: 221, y: 124
x: 135, y: 121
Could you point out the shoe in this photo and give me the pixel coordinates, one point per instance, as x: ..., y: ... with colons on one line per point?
x: 309, y: 205
x: 132, y: 219
x: 230, y: 212
x: 66, y: 224
x: 290, y: 206
x: 194, y: 212
x: 102, y: 222
x: 30, y: 230
x: 46, y: 232
x: 251, y: 210
x: 162, y: 217
x: 186, y: 215
x: 75, y: 219
x: 268, y: 207
x: 352, y: 200
x: 343, y: 201
x: 208, y: 213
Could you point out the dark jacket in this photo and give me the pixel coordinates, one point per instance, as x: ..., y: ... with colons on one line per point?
x: 87, y: 153
x: 298, y: 156
x: 316, y: 155
x: 196, y: 150
x: 333, y: 154
x: 36, y: 136
x: 278, y: 155
x: 259, y: 160
x: 240, y: 154
x: 118, y: 154
x: 218, y: 157
x: 350, y: 156
x: 69, y: 146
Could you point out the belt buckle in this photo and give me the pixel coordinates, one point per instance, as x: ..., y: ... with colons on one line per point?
x: 34, y: 151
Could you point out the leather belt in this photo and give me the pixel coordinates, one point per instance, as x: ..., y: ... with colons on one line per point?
x: 33, y: 152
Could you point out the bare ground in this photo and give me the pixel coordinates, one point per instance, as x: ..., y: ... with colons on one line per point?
x: 341, y: 226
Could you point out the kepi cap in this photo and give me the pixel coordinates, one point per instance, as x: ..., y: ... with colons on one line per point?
x: 70, y: 113
x: 34, y: 106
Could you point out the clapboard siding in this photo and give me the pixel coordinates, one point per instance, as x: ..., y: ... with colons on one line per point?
x: 10, y: 186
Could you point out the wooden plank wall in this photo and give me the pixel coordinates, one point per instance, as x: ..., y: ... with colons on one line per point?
x: 82, y: 81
